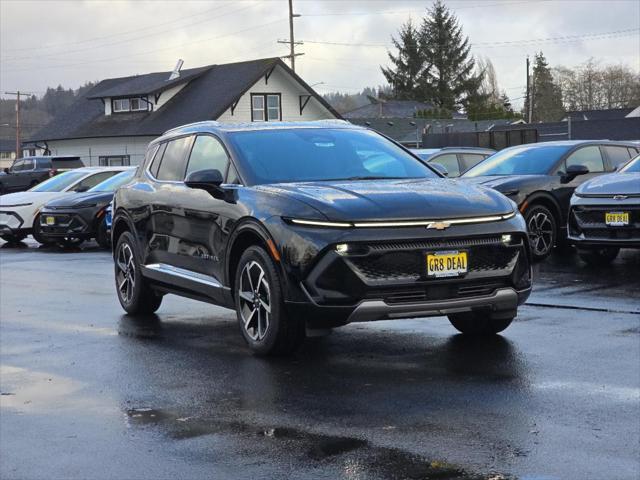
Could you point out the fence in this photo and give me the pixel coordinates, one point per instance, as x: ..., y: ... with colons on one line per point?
x: 491, y: 139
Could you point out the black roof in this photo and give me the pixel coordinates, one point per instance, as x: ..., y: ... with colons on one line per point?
x: 7, y: 145
x: 606, y: 114
x: 392, y: 109
x: 210, y: 91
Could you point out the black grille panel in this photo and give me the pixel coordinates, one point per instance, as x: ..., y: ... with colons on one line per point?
x: 405, y: 264
x: 591, y: 223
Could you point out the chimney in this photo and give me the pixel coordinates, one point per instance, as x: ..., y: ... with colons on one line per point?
x: 176, y: 71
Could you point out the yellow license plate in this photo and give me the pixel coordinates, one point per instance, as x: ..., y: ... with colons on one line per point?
x: 51, y: 220
x: 446, y: 264
x: 616, y: 219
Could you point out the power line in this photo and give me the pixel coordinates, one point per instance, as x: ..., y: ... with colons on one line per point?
x: 405, y: 12
x: 119, y: 42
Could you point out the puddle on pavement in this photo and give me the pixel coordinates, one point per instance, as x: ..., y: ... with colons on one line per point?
x: 354, y: 454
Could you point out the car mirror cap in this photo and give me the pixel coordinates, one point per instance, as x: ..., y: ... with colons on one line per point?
x: 209, y: 180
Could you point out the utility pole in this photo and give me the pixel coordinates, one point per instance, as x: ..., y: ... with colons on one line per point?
x: 529, y: 99
x: 18, y: 142
x: 292, y: 43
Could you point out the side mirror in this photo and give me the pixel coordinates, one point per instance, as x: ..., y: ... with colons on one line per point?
x: 440, y: 168
x: 207, y: 180
x: 574, y: 171
x: 82, y: 189
x: 6, y: 170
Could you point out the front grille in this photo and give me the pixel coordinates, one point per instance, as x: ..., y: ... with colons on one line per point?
x: 590, y: 221
x: 64, y: 223
x: 436, y: 292
x: 406, y: 262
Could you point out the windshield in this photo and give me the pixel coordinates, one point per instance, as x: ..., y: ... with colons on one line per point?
x: 535, y: 159
x: 115, y: 182
x: 313, y: 154
x: 633, y: 166
x: 59, y: 182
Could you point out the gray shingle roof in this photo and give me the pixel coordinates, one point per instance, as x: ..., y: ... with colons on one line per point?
x: 607, y: 114
x: 391, y: 109
x: 210, y: 91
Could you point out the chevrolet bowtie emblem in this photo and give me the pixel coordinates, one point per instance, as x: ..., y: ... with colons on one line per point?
x: 619, y: 197
x: 439, y: 225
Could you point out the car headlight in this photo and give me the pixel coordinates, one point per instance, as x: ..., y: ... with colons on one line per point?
x: 317, y: 223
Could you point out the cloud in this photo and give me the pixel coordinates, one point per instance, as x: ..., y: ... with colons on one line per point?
x: 73, y: 42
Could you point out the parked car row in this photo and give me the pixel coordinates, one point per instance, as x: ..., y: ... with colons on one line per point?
x: 453, y: 161
x: 27, y: 172
x: 57, y: 211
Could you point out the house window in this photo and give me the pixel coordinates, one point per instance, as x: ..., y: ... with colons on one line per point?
x: 135, y: 104
x: 265, y: 107
x: 114, y: 161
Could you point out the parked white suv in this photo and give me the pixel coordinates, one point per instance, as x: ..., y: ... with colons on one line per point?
x: 19, y: 212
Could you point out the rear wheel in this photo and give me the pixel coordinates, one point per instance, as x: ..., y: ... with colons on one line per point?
x: 598, y: 256
x: 475, y: 323
x: 263, y: 320
x: 134, y: 293
x: 543, y: 231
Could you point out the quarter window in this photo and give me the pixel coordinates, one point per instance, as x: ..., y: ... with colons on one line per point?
x: 207, y: 153
x: 174, y: 160
x: 589, y: 156
x: 617, y: 155
x: 265, y: 107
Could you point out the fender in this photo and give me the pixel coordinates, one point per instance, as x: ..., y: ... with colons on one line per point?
x: 535, y: 196
x: 253, y: 225
x: 123, y: 216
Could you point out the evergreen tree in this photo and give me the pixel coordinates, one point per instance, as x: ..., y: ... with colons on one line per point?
x: 546, y: 94
x: 408, y: 64
x: 449, y: 79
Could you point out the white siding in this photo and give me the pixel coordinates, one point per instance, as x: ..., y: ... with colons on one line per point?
x: 89, y: 149
x: 283, y: 83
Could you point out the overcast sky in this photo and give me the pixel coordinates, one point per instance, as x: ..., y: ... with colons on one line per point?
x: 49, y: 42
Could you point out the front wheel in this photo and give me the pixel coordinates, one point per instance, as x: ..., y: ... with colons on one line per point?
x: 543, y: 231
x: 598, y: 257
x: 134, y: 293
x: 36, y: 233
x: 475, y: 323
x: 263, y: 320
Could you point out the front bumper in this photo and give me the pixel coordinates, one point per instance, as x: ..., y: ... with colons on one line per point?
x: 11, y: 223
x: 587, y: 226
x: 66, y: 224
x: 388, y: 279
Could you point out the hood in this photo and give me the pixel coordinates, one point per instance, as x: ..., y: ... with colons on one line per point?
x: 82, y: 199
x: 374, y: 200
x: 36, y: 198
x: 612, y: 184
x: 506, y: 182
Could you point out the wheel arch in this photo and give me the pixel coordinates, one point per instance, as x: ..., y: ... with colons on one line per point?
x: 546, y: 200
x: 121, y: 224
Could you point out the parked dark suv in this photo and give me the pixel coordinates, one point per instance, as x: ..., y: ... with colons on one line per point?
x: 27, y: 172
x: 311, y: 226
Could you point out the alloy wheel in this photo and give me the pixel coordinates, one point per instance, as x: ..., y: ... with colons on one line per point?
x: 126, y: 276
x: 540, y: 228
x: 255, y: 301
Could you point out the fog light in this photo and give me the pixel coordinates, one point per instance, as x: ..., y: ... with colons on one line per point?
x: 342, y: 248
x: 506, y: 239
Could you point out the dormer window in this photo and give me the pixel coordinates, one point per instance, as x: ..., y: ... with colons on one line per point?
x: 135, y: 104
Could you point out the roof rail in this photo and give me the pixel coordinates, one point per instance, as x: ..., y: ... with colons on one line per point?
x: 212, y: 123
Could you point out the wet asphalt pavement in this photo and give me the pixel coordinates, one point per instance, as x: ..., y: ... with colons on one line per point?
x: 88, y: 392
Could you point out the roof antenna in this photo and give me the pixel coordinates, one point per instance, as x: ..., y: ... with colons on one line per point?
x: 176, y: 71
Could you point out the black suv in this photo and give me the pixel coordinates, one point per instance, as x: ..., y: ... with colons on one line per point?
x: 312, y: 225
x: 27, y: 172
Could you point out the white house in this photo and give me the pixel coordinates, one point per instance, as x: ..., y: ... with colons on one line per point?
x: 114, y: 121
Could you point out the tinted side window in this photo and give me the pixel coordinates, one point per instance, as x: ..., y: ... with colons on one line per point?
x: 589, y: 156
x: 93, y: 180
x: 471, y: 160
x: 617, y: 155
x: 43, y: 163
x: 155, y: 166
x: 448, y: 161
x: 632, y: 152
x: 17, y: 166
x: 174, y: 160
x: 207, y: 153
x: 28, y: 164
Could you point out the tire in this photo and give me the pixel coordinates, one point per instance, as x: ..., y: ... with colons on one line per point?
x: 36, y: 233
x: 13, y: 238
x: 475, y: 323
x: 101, y: 236
x: 134, y: 293
x: 543, y: 231
x: 262, y: 317
x: 598, y: 257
